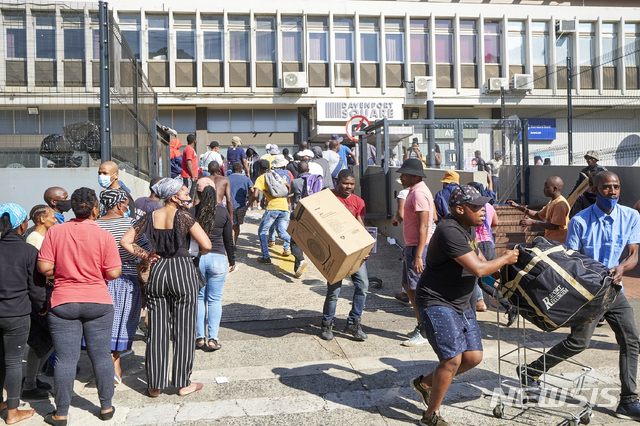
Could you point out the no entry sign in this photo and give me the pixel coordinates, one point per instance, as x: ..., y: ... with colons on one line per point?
x: 356, y: 123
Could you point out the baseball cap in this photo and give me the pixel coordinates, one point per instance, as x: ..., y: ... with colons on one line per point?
x: 465, y: 194
x: 498, y: 152
x: 592, y: 154
x: 336, y: 138
x: 450, y: 177
x: 412, y: 166
x: 264, y: 164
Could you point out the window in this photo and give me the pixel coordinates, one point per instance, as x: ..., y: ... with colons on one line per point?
x: 343, y: 28
x: 16, y: 34
x: 185, y: 26
x: 609, y: 44
x: 444, y: 41
x: 539, y: 42
x: 239, y: 38
x: 516, y: 42
x: 468, y: 42
x: 318, y: 39
x: 631, y: 40
x: 181, y: 120
x: 265, y: 39
x: 257, y: 120
x: 563, y: 50
x: 158, y: 46
x: 491, y: 42
x: 95, y: 34
x: 212, y: 36
x: 291, y: 38
x: 394, y: 40
x: 419, y: 40
x: 45, y: 35
x: 586, y: 44
x: 73, y: 24
x: 130, y: 27
x: 369, y: 39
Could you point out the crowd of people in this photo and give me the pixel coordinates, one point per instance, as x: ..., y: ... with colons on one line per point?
x: 84, y: 284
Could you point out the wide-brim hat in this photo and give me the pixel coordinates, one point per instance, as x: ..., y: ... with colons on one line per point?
x: 450, y: 177
x: 412, y: 166
x: 592, y: 154
x: 279, y: 161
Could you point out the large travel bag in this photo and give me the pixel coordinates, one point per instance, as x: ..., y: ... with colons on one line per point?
x: 558, y: 287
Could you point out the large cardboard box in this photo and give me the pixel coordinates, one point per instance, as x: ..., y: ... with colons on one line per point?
x: 330, y: 236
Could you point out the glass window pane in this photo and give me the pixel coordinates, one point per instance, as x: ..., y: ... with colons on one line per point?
x: 318, y: 47
x: 73, y: 18
x: 585, y: 27
x: 516, y: 26
x: 467, y: 49
x: 287, y: 120
x: 608, y: 28
x: 291, y: 21
x: 72, y: 116
x: 369, y: 47
x: 292, y: 46
x: 419, y: 24
x: 630, y: 28
x: 370, y: 23
x: 266, y: 24
x: 394, y: 24
x: 74, y: 43
x: 184, y: 120
x: 444, y: 24
x: 129, y: 18
x: 46, y: 20
x: 238, y: 20
x: 26, y: 123
x: 609, y: 44
x: 492, y: 49
x: 539, y: 26
x: 185, y: 45
x: 344, y: 47
x: 491, y: 27
x: 265, y: 46
x: 165, y: 116
x: 184, y: 20
x: 317, y: 21
x: 16, y: 43
x: 586, y: 50
x: 157, y: 45
x: 631, y: 54
x: 239, y: 46
x: 45, y: 44
x: 51, y: 121
x: 218, y: 120
x: 516, y: 50
x: 419, y: 48
x: 539, y: 50
x: 563, y: 47
x: 443, y: 48
x: 241, y: 120
x: 212, y: 45
x: 467, y: 25
x: 342, y: 22
x: 264, y: 120
x: 158, y: 21
x: 14, y: 18
x: 133, y: 40
x: 212, y: 20
x: 96, y: 43
x: 394, y: 47
x: 6, y: 122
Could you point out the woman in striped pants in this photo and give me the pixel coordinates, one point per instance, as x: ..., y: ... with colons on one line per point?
x: 172, y: 291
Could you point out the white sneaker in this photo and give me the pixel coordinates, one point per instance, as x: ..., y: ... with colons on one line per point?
x: 416, y: 340
x: 300, y: 269
x: 414, y: 331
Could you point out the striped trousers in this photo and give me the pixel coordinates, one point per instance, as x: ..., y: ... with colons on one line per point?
x: 172, y: 297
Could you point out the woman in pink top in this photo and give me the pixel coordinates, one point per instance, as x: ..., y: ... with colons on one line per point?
x: 81, y: 256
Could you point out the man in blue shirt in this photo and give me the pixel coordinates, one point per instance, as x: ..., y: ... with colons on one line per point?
x: 241, y: 187
x: 344, y: 150
x: 602, y: 232
x: 450, y: 180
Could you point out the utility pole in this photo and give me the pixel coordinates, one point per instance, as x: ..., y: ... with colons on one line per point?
x: 569, y: 113
x: 431, y: 135
x: 105, y: 111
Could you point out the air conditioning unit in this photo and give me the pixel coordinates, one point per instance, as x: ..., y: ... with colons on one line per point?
x: 522, y: 82
x: 495, y: 84
x: 566, y: 26
x: 421, y: 84
x: 294, y: 81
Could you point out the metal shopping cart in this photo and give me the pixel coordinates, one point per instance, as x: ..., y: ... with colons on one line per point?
x: 554, y: 394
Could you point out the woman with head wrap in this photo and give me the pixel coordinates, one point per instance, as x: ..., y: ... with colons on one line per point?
x: 81, y: 256
x: 216, y: 222
x: 124, y: 290
x: 172, y: 290
x: 19, y: 291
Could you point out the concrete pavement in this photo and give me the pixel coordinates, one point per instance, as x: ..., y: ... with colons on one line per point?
x: 273, y: 369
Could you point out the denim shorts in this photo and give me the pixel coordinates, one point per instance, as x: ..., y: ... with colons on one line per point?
x: 449, y: 332
x: 409, y: 276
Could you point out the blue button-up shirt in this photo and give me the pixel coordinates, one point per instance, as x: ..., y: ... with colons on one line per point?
x: 602, y: 236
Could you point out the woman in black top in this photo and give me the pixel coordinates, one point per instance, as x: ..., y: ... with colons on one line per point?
x: 21, y: 287
x: 217, y: 224
x: 172, y: 289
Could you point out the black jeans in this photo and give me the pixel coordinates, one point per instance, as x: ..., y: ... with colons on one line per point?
x: 14, y: 332
x: 296, y: 251
x: 68, y: 323
x: 620, y: 318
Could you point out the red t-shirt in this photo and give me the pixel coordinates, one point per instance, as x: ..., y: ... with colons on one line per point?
x: 189, y: 154
x: 353, y: 203
x: 82, y: 253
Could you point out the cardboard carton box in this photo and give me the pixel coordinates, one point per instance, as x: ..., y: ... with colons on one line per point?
x: 330, y: 236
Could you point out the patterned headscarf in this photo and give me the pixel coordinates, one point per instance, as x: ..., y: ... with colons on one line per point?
x: 167, y: 187
x: 17, y: 214
x: 112, y: 197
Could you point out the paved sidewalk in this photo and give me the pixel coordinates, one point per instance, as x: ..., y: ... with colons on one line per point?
x: 273, y: 369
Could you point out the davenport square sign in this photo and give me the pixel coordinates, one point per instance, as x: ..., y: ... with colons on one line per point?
x: 374, y: 109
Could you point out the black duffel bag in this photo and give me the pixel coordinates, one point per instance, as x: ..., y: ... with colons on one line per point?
x: 558, y: 287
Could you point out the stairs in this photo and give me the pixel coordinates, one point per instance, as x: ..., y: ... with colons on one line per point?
x: 509, y: 232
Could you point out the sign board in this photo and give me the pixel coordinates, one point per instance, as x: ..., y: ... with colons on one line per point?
x: 450, y: 133
x: 342, y: 109
x: 356, y: 123
x: 542, y: 129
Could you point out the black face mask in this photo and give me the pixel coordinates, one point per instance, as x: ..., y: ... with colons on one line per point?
x: 64, y: 205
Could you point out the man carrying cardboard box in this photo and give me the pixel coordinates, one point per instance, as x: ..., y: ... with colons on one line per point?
x: 345, y: 184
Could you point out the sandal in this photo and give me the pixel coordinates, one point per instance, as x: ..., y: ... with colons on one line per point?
x: 197, y: 388
x: 201, y: 343
x: 212, y: 347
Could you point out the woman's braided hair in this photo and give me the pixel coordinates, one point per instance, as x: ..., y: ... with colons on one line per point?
x: 83, y: 201
x: 208, y: 204
x: 37, y: 212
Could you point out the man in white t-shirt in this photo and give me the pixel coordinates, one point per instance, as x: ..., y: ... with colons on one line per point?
x: 333, y: 157
x: 208, y: 157
x: 314, y: 168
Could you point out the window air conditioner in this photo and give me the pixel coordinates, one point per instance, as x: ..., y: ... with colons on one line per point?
x: 566, y: 26
x: 522, y: 82
x: 421, y: 84
x: 495, y: 84
x: 294, y: 81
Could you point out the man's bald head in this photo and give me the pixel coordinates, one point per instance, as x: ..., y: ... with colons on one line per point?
x: 599, y: 178
x: 213, y: 168
x: 53, y: 194
x: 108, y: 166
x: 303, y: 167
x: 556, y: 181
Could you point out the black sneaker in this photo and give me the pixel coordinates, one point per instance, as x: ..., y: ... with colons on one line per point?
x: 629, y: 411
x: 530, y: 383
x: 327, y: 329
x: 424, y: 394
x: 512, y: 316
x: 433, y: 420
x: 354, y: 329
x: 265, y: 260
x: 34, y: 394
x: 43, y: 385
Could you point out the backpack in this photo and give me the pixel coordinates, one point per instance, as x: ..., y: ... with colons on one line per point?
x: 277, y: 187
x: 337, y: 169
x: 312, y: 184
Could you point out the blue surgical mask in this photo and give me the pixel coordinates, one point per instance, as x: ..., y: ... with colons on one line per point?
x: 127, y: 213
x: 104, y: 181
x: 606, y: 203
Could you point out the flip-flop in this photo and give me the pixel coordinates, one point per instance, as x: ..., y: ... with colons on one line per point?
x: 201, y: 345
x: 199, y: 386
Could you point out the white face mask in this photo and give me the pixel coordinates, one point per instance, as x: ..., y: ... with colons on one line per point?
x: 105, y: 181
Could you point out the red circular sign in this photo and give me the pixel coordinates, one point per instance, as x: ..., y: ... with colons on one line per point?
x: 358, y: 120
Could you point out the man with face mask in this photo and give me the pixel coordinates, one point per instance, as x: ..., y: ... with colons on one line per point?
x: 108, y: 174
x: 602, y: 232
x: 58, y: 199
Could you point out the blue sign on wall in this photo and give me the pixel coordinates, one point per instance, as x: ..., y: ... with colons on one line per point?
x: 542, y: 129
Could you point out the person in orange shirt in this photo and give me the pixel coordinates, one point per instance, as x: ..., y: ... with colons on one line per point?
x: 553, y: 217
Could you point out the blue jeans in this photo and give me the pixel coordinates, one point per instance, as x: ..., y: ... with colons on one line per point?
x: 214, y: 268
x: 280, y: 219
x: 272, y: 230
x: 361, y: 283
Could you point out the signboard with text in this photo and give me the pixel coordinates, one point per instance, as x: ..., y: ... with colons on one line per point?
x: 542, y: 129
x: 373, y: 109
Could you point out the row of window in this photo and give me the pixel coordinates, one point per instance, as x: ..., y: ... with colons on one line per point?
x: 235, y: 120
